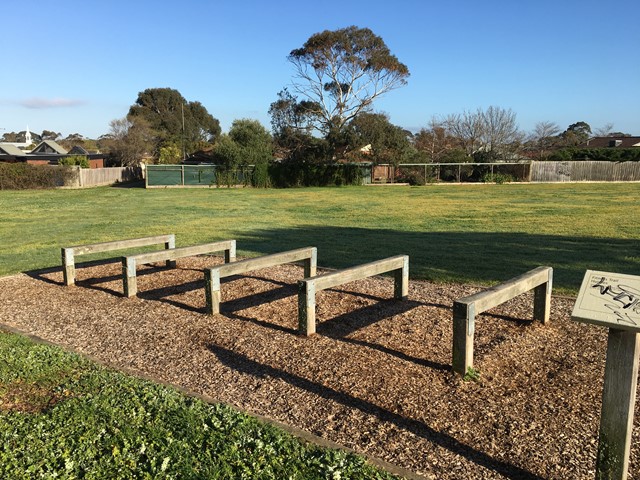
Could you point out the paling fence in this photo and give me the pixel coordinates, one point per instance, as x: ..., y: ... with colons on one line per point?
x: 91, y: 177
x: 529, y: 171
x: 585, y: 171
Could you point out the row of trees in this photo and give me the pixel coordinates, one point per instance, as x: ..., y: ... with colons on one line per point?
x: 327, y: 115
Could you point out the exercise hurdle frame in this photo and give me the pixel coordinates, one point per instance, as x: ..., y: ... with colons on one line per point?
x: 69, y: 253
x: 308, y: 287
x: 129, y: 264
x: 465, y: 310
x: 213, y: 275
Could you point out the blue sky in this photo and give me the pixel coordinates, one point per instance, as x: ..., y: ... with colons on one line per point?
x: 73, y: 66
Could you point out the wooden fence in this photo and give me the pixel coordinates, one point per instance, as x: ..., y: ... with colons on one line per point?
x: 585, y: 171
x: 93, y: 177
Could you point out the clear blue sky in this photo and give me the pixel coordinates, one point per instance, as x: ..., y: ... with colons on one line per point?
x: 73, y: 66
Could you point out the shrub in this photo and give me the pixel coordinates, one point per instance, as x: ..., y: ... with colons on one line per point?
x: 260, y: 177
x: 498, y: 178
x: 299, y: 174
x: 22, y: 176
x: 75, y: 160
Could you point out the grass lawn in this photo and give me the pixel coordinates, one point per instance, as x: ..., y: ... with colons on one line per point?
x: 466, y: 233
x: 62, y: 416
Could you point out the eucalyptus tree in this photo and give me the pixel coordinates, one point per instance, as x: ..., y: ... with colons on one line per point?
x: 340, y: 73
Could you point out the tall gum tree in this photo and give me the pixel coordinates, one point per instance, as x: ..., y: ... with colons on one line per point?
x: 342, y: 72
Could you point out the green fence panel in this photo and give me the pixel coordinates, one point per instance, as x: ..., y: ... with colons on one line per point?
x: 199, y: 174
x: 164, y: 175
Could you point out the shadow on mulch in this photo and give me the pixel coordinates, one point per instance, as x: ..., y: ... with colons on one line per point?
x: 91, y: 282
x: 243, y: 364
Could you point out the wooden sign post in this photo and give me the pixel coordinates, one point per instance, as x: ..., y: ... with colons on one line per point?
x: 612, y: 300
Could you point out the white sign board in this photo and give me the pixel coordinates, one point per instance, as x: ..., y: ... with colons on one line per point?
x: 610, y: 300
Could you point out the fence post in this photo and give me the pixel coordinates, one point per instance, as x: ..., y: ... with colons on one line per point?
x: 618, y: 401
x: 542, y: 300
x: 68, y: 266
x: 306, y: 307
x: 401, y: 280
x: 129, y: 281
x: 170, y: 244
x: 311, y: 264
x: 212, y: 290
x: 230, y: 253
x: 463, y: 332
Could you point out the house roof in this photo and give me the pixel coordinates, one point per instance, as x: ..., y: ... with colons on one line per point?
x: 619, y: 142
x: 48, y: 147
x: 78, y: 150
x: 8, y: 149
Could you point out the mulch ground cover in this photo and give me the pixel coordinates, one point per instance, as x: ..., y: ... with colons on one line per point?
x: 375, y: 378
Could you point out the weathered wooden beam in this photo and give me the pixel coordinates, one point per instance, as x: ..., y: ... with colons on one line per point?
x: 130, y: 263
x: 190, y: 251
x: 358, y: 272
x: 465, y: 310
x: 618, y: 402
x: 499, y: 294
x: 69, y: 253
x: 213, y: 275
x: 308, y: 287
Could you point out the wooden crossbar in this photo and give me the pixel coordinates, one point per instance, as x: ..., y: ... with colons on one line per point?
x: 213, y: 275
x: 130, y: 263
x: 308, y: 287
x: 465, y: 309
x: 69, y: 253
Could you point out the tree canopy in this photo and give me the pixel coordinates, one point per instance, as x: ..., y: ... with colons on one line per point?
x: 248, y: 143
x: 387, y: 143
x: 340, y: 73
x: 174, y: 120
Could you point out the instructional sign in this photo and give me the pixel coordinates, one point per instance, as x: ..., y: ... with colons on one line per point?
x: 610, y: 300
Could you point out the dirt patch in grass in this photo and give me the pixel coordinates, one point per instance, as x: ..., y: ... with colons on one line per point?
x: 375, y: 378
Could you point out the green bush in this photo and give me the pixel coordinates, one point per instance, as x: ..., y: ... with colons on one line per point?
x: 298, y: 174
x: 260, y: 177
x: 22, y: 176
x: 75, y: 160
x: 498, y: 178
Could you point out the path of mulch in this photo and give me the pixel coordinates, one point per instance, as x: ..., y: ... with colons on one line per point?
x: 375, y: 378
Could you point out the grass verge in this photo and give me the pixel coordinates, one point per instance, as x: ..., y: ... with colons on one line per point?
x: 63, y: 416
x: 481, y: 234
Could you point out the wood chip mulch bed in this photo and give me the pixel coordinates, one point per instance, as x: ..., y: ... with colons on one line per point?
x: 376, y: 377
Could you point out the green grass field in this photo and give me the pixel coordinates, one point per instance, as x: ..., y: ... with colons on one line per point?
x: 466, y: 233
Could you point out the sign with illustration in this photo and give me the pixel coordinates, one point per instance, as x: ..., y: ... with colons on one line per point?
x: 610, y: 300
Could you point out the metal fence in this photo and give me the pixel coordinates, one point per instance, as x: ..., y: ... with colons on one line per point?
x: 424, y: 173
x: 417, y: 173
x: 195, y: 175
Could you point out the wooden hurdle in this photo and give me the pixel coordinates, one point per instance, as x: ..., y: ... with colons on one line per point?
x: 213, y: 275
x: 465, y: 309
x: 130, y: 263
x: 69, y: 253
x: 308, y: 287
